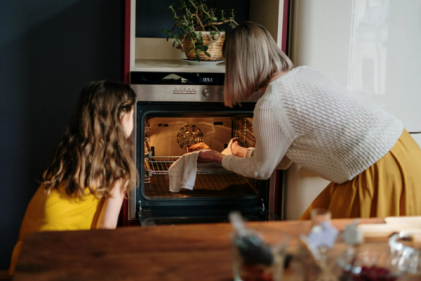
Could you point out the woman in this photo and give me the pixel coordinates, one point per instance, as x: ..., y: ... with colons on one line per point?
x: 305, y: 117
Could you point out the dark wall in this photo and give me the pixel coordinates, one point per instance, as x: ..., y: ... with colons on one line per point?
x: 49, y: 50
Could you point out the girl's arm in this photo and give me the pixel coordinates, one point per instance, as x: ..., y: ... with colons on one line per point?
x: 112, y: 206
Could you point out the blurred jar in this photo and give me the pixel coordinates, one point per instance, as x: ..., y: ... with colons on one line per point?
x: 257, y: 268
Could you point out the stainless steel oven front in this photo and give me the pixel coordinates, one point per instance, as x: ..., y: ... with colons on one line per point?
x: 173, y: 112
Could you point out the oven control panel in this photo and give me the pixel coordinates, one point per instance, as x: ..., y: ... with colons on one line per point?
x: 189, y: 93
x: 206, y: 92
x: 179, y: 92
x: 177, y: 78
x: 179, y: 87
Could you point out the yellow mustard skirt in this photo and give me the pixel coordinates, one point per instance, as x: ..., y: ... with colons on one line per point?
x: 56, y: 211
x: 390, y: 187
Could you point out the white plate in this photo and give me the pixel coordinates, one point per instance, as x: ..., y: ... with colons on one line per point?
x: 203, y: 63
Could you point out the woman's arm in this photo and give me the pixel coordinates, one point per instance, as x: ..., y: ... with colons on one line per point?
x: 272, y: 143
x: 215, y: 156
x: 112, y: 206
x: 240, y: 151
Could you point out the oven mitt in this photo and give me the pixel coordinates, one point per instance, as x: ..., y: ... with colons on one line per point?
x: 182, y: 173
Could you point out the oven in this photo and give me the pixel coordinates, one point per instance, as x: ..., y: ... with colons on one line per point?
x: 175, y: 110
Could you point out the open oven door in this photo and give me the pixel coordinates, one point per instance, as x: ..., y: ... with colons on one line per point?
x: 191, y: 216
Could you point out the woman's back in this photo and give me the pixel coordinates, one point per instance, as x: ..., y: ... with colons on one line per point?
x: 332, y: 133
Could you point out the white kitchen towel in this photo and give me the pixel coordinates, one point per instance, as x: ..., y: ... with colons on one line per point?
x: 182, y: 173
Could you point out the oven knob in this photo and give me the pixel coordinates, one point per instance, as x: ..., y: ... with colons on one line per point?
x: 206, y: 92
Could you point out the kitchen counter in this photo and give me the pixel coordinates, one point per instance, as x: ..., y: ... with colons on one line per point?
x: 181, y: 252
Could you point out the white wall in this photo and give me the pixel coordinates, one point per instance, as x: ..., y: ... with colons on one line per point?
x: 372, y: 47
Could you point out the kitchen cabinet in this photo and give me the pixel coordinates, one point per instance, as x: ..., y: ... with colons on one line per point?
x: 156, y: 54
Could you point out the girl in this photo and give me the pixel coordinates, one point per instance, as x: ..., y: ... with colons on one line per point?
x: 305, y: 117
x: 91, y: 170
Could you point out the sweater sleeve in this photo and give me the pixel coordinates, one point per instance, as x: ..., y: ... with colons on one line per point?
x: 283, y: 165
x: 271, y: 145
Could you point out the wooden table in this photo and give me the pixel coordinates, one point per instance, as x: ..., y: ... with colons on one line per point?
x: 182, y: 252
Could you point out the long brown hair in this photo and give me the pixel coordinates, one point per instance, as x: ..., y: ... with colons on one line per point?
x: 95, y: 151
x: 251, y: 58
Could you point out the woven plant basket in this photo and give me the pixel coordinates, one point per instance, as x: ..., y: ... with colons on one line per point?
x: 215, y: 50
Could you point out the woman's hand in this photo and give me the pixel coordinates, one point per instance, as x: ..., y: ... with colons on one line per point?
x: 206, y: 156
x: 237, y: 149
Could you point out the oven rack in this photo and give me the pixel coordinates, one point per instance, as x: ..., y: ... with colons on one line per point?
x: 159, y: 165
x: 246, y: 138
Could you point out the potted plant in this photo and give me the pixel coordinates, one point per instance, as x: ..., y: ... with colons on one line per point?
x: 195, y: 30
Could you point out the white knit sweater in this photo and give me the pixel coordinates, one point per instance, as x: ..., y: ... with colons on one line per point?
x: 307, y: 118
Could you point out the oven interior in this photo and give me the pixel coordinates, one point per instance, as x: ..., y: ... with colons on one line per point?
x: 167, y: 138
x: 165, y: 131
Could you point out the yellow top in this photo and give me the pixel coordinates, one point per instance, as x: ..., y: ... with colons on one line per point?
x: 57, y: 211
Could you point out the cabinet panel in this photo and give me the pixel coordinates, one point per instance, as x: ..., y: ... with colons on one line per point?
x: 269, y: 13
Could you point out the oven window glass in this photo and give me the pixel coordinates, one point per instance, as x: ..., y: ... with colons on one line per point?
x: 166, y: 139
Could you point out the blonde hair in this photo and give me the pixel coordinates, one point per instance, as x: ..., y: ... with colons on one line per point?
x: 95, y: 151
x: 251, y: 58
